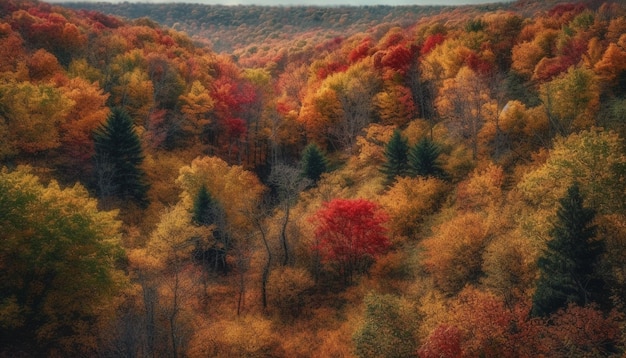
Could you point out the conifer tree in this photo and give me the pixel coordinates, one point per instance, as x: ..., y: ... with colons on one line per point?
x: 118, y: 158
x: 567, y: 266
x: 396, y: 155
x: 423, y: 159
x: 314, y: 163
x: 203, y: 208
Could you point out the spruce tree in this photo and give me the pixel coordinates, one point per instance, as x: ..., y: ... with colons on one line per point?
x: 567, y: 266
x: 204, y: 212
x: 118, y: 158
x: 423, y: 159
x: 314, y: 163
x: 396, y: 155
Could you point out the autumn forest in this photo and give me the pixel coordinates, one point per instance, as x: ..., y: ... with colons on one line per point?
x: 183, y: 180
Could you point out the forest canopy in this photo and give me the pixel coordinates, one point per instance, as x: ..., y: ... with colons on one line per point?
x: 245, y: 181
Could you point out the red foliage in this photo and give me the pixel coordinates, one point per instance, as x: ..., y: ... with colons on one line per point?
x: 331, y: 68
x: 235, y: 128
x: 443, y: 342
x: 478, y: 65
x: 361, y: 51
x: 157, y: 128
x: 100, y: 18
x: 431, y: 42
x: 348, y: 230
x: 398, y: 58
x: 570, y: 9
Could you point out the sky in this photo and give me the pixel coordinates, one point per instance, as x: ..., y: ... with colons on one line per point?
x: 302, y: 2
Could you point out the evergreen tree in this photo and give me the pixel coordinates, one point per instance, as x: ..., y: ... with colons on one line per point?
x: 567, y: 266
x: 396, y: 153
x: 118, y: 158
x: 423, y: 159
x: 314, y: 163
x: 204, y: 212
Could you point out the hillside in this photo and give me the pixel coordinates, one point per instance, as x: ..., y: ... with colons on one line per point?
x: 371, y: 182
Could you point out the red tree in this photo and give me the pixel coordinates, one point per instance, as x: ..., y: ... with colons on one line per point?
x: 349, y: 233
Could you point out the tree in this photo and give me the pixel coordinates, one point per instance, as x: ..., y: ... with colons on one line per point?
x: 571, y: 100
x: 314, y: 163
x: 423, y: 159
x: 396, y: 155
x: 288, y: 184
x: 57, y: 267
x: 388, y: 329
x: 349, y: 232
x: 567, y: 266
x: 118, y: 159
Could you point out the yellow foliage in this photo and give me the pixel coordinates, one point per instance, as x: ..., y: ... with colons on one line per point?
x: 483, y: 189
x: 249, y: 336
x: 236, y: 189
x: 409, y: 200
x: 454, y: 252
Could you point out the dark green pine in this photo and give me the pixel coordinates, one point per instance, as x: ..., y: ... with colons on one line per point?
x: 204, y: 208
x: 118, y: 147
x: 424, y: 159
x: 567, y: 266
x: 314, y: 163
x: 396, y: 155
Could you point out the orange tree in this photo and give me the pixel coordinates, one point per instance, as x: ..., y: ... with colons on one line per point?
x: 349, y: 234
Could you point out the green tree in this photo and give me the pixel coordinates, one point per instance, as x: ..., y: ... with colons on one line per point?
x: 57, y: 267
x: 397, y: 157
x: 314, y: 163
x: 387, y: 330
x: 118, y: 158
x: 205, y: 208
x: 567, y: 266
x: 423, y: 159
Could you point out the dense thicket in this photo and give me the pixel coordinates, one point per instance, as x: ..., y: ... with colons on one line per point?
x: 362, y: 184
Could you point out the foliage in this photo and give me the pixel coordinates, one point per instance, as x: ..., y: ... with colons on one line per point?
x: 423, y: 159
x: 388, y: 328
x: 510, y: 91
x: 118, y: 158
x: 314, y: 163
x: 349, y: 233
x: 58, y: 262
x: 568, y: 273
x: 396, y: 155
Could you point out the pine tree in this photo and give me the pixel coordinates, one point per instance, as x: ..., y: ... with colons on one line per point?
x: 118, y: 158
x: 423, y: 159
x: 314, y: 163
x: 396, y: 153
x: 204, y: 212
x: 568, y: 264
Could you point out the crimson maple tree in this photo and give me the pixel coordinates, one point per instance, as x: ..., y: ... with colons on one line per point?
x: 349, y: 232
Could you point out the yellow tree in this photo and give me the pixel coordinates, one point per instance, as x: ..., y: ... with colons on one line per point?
x: 571, y: 100
x: 89, y: 111
x: 465, y: 103
x: 197, y: 105
x: 58, y: 275
x: 135, y: 93
x: 32, y: 116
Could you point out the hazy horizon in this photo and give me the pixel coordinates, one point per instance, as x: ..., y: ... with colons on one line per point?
x: 300, y: 2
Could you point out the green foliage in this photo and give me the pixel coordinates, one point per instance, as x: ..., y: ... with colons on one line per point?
x: 396, y: 156
x: 388, y: 329
x: 423, y: 159
x: 118, y: 159
x: 205, y: 208
x: 314, y: 163
x: 568, y: 264
x: 57, y: 257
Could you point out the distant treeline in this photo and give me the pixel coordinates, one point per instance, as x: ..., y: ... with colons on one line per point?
x: 221, y: 25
